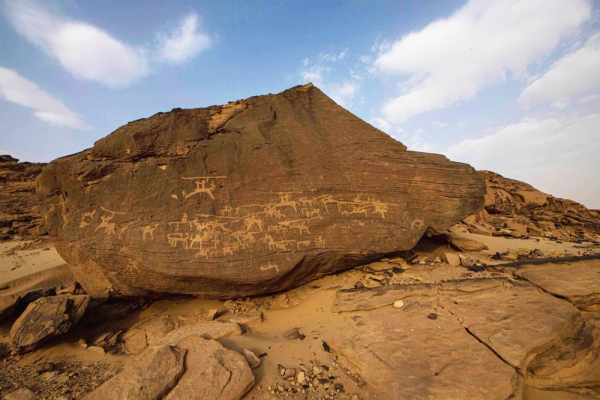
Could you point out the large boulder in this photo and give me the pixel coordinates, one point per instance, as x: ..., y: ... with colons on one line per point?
x: 46, y: 318
x: 256, y: 196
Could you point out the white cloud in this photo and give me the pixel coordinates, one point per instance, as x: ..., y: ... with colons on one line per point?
x: 574, y: 73
x: 381, y: 124
x: 184, y: 43
x: 342, y: 92
x: 452, y: 58
x: 557, y: 156
x: 90, y: 53
x: 19, y: 90
x: 590, y: 99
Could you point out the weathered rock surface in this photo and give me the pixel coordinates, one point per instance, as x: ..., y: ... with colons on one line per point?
x: 407, y: 351
x: 19, y: 206
x: 253, y: 197
x: 402, y: 354
x: 206, y: 330
x: 212, y: 372
x: 577, y: 282
x: 147, y: 333
x: 514, y: 208
x: 46, y: 318
x: 150, y: 378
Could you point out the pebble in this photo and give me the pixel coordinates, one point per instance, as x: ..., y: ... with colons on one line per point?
x: 252, y: 359
x: 398, y: 304
x: 301, y: 378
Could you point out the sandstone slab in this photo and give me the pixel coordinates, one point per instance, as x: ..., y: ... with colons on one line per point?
x: 150, y: 378
x: 207, y: 330
x: 577, y: 282
x: 46, y: 318
x: 403, y: 354
x: 257, y: 196
x: 212, y: 372
x: 516, y: 319
x: 147, y: 333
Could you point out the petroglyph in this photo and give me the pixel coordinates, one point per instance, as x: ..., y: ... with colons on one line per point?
x: 132, y: 267
x: 106, y: 221
x: 87, y: 218
x: 148, y: 231
x: 269, y: 267
x: 417, y: 224
x: 320, y: 242
x: 252, y: 227
x: 201, y: 186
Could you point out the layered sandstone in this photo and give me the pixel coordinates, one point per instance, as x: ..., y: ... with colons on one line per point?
x: 19, y: 207
x: 253, y: 197
x: 514, y: 208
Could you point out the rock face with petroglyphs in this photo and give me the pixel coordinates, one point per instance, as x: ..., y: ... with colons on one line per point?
x: 256, y: 196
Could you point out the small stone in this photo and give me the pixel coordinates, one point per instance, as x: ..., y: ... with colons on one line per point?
x: 432, y: 316
x: 97, y: 349
x: 317, y: 370
x: 82, y: 343
x: 20, y: 394
x: 294, y: 334
x: 289, y: 373
x: 252, y: 359
x: 398, y: 304
x: 212, y: 314
x: 339, y: 387
x: 301, y: 378
x: 44, y: 367
x: 451, y: 259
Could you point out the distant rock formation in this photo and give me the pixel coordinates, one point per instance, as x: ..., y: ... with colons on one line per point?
x: 514, y: 208
x: 253, y: 197
x: 19, y: 207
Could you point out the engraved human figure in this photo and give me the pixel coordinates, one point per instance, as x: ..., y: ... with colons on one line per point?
x: 109, y: 227
x: 201, y: 188
x: 148, y: 231
x: 320, y: 242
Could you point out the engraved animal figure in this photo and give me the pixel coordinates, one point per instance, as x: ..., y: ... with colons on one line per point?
x: 201, y: 188
x: 226, y: 211
x: 109, y: 227
x: 284, y: 200
x: 320, y: 242
x: 328, y: 199
x: 149, y: 231
x: 132, y: 267
x: 252, y: 222
x: 270, y: 266
x: 380, y: 208
x: 175, y: 238
x: 314, y: 213
x: 305, y: 243
x: 307, y: 202
x: 87, y: 218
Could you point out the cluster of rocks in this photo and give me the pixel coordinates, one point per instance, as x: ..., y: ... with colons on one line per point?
x: 44, y: 314
x: 314, y: 380
x: 516, y: 209
x: 20, y: 212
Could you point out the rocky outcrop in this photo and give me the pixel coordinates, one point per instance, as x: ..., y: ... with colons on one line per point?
x: 19, y: 207
x: 470, y: 338
x: 193, y: 369
x: 515, y: 209
x: 151, y: 377
x: 46, y: 318
x: 256, y: 196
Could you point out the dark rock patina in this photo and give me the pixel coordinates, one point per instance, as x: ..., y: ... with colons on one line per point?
x: 256, y: 196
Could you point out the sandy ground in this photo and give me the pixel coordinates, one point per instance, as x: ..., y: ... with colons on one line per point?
x: 15, y: 263
x: 307, y: 308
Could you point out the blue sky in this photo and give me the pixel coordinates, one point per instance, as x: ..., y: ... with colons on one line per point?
x: 512, y: 86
